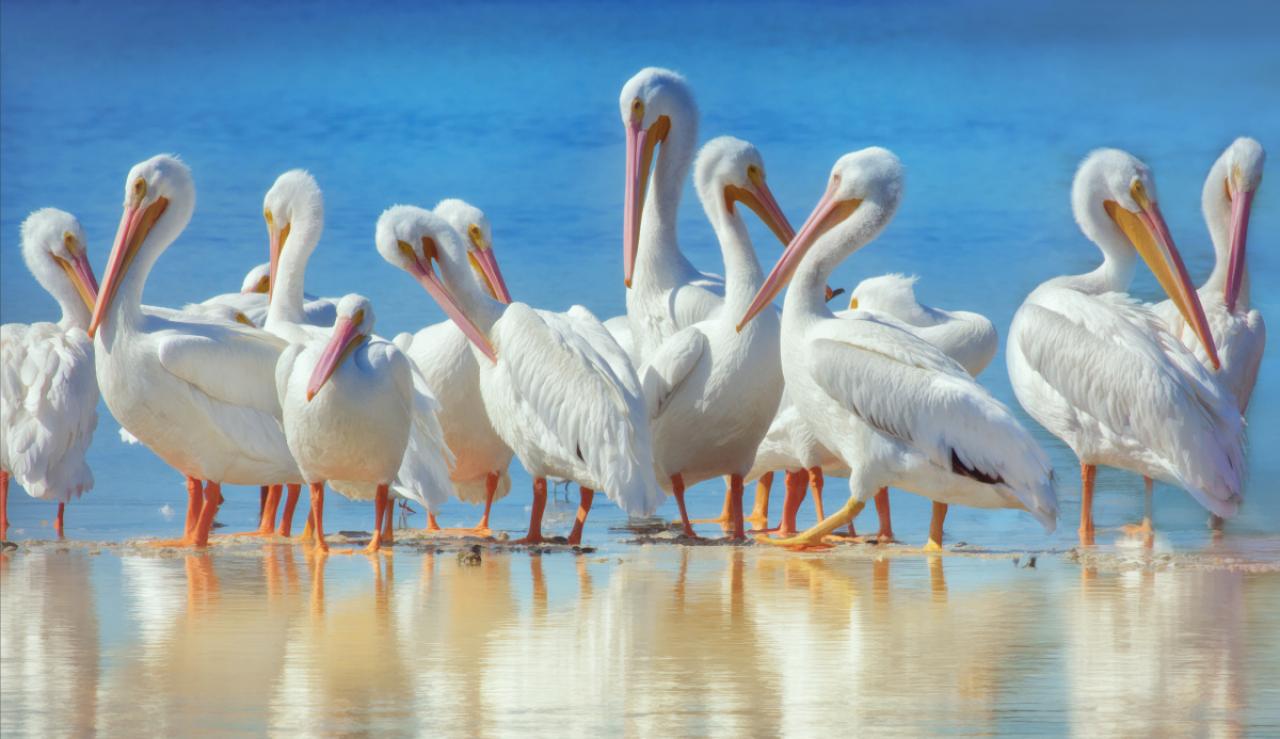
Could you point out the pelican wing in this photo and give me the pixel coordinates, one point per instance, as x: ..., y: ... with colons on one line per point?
x: 49, y: 403
x: 909, y: 390
x: 427, y: 459
x: 1113, y: 365
x: 578, y: 394
x: 670, y: 365
x: 227, y: 364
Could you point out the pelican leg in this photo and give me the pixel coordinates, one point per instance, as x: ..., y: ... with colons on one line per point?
x: 1146, y: 529
x: 797, y: 483
x: 886, y: 520
x: 490, y: 489
x: 535, y: 514
x: 317, y: 516
x: 935, y: 527
x: 759, y: 517
x: 267, y: 521
x: 677, y: 489
x: 816, y: 483
x: 286, y: 518
x: 726, y: 513
x: 57, y: 522
x: 380, y: 505
x: 739, y: 525
x: 212, y: 500
x: 432, y: 524
x: 584, y: 507
x: 1088, y: 474
x: 813, y: 538
x: 388, y: 533
x: 263, y: 492
x: 4, y: 505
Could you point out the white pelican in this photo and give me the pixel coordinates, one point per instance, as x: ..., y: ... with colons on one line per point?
x: 347, y: 405
x: 895, y: 409
x: 558, y: 389
x: 49, y: 393
x: 1100, y: 371
x: 253, y: 299
x: 1238, y: 332
x: 199, y: 394
x: 712, y: 390
x: 294, y: 212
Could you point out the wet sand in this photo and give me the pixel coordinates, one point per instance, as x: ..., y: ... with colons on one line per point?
x: 435, y: 638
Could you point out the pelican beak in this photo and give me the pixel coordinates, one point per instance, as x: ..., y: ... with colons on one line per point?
x: 80, y: 273
x: 853, y: 303
x: 759, y: 198
x: 1149, y: 234
x: 485, y: 264
x: 345, y: 339
x: 424, y: 272
x: 641, y: 144
x: 277, y: 238
x: 1241, y: 204
x: 828, y: 213
x: 830, y: 294
x: 135, y: 224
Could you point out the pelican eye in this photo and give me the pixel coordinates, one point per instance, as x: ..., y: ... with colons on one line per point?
x: 755, y: 175
x: 266, y: 214
x: 476, y: 236
x: 139, y: 188
x: 1139, y: 193
x: 70, y: 241
x: 637, y: 110
x: 358, y: 318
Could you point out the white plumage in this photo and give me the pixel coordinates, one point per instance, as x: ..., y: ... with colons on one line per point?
x: 1100, y: 371
x: 199, y: 394
x: 559, y: 390
x: 712, y: 390
x: 294, y: 209
x: 895, y: 409
x: 48, y: 391
x: 252, y: 301
x: 1240, y: 333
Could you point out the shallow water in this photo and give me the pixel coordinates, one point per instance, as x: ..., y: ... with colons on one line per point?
x: 683, y: 641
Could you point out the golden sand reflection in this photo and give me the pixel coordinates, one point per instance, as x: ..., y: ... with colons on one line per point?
x: 714, y: 640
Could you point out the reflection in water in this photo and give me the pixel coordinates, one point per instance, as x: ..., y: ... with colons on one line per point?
x: 698, y: 640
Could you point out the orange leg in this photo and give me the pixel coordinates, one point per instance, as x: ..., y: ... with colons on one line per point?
x: 195, y: 502
x: 212, y: 500
x: 739, y: 525
x: 379, y: 509
x: 490, y: 489
x: 57, y: 522
x: 535, y: 515
x: 816, y: 482
x: 317, y: 516
x: 267, y: 520
x: 726, y: 511
x: 797, y: 482
x: 677, y: 489
x: 584, y: 507
x: 886, y: 520
x: 286, y: 518
x: 388, y: 534
x: 263, y: 492
x: 432, y: 524
x: 759, y: 517
x: 4, y: 505
x: 935, y: 527
x: 1088, y: 474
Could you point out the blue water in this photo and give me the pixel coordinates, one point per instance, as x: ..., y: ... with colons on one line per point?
x: 514, y: 107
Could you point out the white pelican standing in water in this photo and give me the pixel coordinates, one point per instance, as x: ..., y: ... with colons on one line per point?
x: 294, y: 212
x: 559, y: 390
x: 968, y: 338
x: 895, y: 409
x: 713, y: 390
x: 1101, y: 372
x: 443, y: 354
x: 347, y: 405
x: 199, y: 394
x: 48, y: 391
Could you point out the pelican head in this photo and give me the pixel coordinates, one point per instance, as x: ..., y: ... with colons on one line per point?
x: 257, y: 280
x: 353, y: 327
x: 866, y: 182
x: 894, y: 294
x: 651, y: 102
x: 1114, y: 199
x: 295, y: 197
x: 470, y: 221
x: 53, y: 246
x: 416, y: 240
x: 158, y: 194
x: 730, y: 171
x: 1228, y: 199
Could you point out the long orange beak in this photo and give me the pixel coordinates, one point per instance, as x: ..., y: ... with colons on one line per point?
x: 1149, y: 234
x: 423, y: 271
x: 759, y: 198
x: 1241, y: 204
x: 641, y: 144
x: 343, y: 341
x: 487, y: 263
x: 80, y: 273
x: 827, y: 214
x: 135, y: 224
